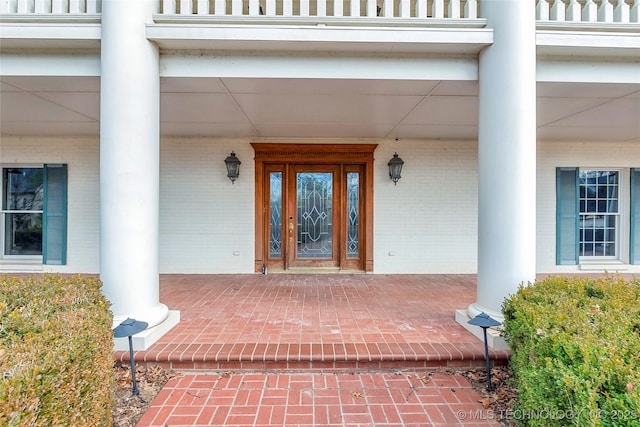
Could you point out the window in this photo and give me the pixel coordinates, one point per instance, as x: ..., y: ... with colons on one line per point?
x: 592, y: 222
x: 22, y: 211
x: 33, y: 213
x: 599, y: 214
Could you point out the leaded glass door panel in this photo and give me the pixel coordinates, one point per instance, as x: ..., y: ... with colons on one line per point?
x: 314, y: 217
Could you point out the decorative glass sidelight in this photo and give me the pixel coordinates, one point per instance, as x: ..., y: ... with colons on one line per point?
x: 353, y: 214
x: 275, y: 215
x: 315, y: 215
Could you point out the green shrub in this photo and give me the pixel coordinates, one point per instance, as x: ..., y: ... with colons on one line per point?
x: 56, y: 355
x: 576, y: 351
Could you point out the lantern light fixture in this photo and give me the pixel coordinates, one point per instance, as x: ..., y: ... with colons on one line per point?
x: 395, y: 168
x: 233, y: 167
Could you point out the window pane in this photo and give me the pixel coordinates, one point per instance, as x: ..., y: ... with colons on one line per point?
x: 23, y: 190
x: 315, y: 205
x: 23, y: 234
x: 598, y: 213
x: 353, y: 203
x: 275, y: 214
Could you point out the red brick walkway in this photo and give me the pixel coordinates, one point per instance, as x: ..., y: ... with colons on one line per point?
x: 362, y: 399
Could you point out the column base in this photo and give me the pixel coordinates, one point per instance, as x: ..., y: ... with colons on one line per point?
x: 143, y: 340
x: 494, y: 340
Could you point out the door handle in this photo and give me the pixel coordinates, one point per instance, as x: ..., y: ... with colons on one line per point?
x: 290, y: 227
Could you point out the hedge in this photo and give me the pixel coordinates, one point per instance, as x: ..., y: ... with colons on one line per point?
x: 576, y: 351
x: 56, y: 355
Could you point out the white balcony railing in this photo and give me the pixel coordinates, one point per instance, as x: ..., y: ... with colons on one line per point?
x: 600, y: 11
x: 49, y: 7
x: 567, y: 11
x: 439, y: 9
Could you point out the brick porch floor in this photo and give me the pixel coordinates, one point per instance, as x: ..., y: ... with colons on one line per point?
x: 316, y: 350
x: 319, y: 322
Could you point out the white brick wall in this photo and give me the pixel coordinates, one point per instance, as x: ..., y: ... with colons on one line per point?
x: 204, y: 219
x: 425, y: 224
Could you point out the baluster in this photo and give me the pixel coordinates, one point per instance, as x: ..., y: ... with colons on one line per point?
x: 287, y: 7
x: 92, y: 6
x: 621, y: 13
x: 542, y: 10
x: 168, y: 7
x: 558, y: 11
x: 202, y: 7
x: 8, y: 6
x: 405, y: 9
x: 454, y: 9
x: 355, y: 8
x: 42, y: 6
x: 271, y: 8
x: 25, y: 6
x: 236, y: 8
x: 590, y: 11
x: 387, y: 8
x: 372, y: 8
x: 321, y: 8
x: 254, y: 7
x: 220, y: 7
x: 186, y: 7
x: 304, y: 7
x: 338, y: 8
x: 59, y: 6
x: 573, y: 11
x: 634, y: 14
x: 76, y: 6
x: 605, y: 11
x: 471, y: 9
x: 438, y: 9
x: 421, y: 8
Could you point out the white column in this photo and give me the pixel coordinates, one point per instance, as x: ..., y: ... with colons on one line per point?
x: 129, y: 162
x: 506, y: 155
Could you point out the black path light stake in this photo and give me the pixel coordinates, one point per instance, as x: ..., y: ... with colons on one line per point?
x: 128, y: 328
x: 485, y: 321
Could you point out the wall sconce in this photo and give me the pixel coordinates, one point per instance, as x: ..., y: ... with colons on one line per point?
x: 395, y: 168
x: 233, y: 167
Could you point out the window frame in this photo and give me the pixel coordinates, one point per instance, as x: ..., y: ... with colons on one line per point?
x: 3, y: 212
x: 55, y: 187
x: 568, y: 218
x: 621, y: 218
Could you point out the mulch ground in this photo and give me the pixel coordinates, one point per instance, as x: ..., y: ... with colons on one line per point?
x: 128, y: 409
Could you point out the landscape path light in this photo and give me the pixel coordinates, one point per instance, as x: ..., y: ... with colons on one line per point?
x: 128, y: 328
x: 485, y: 321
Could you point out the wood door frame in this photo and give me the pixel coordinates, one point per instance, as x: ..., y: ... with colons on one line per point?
x: 340, y: 154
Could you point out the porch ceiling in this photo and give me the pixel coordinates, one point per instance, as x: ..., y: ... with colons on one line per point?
x: 317, y: 108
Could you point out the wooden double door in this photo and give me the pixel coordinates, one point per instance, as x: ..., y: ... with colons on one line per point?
x: 313, y: 207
